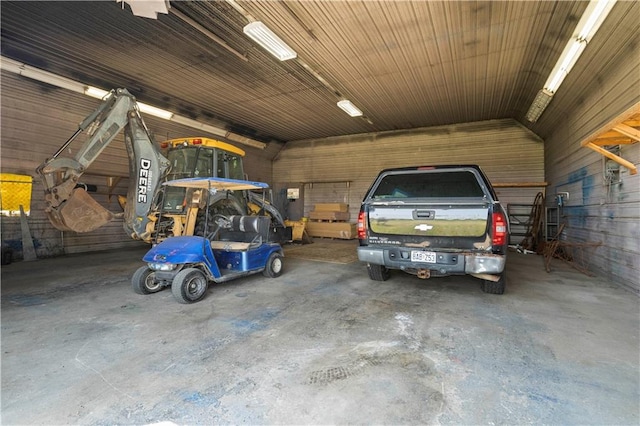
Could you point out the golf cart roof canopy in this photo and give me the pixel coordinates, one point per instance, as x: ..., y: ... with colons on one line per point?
x: 220, y: 184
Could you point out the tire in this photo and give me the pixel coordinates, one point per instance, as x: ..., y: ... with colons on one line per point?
x: 189, y: 285
x: 377, y: 272
x: 144, y: 281
x: 274, y: 266
x: 495, y: 287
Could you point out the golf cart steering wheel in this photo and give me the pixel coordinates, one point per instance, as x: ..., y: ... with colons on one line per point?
x: 221, y: 221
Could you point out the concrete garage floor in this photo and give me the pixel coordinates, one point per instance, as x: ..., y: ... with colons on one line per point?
x: 322, y: 344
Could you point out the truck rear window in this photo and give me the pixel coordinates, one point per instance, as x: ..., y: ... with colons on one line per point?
x: 438, y: 184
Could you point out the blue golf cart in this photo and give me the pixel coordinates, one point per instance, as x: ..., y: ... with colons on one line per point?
x: 235, y: 246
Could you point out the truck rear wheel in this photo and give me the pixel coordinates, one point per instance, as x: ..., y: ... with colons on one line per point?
x: 189, y: 285
x: 144, y: 281
x: 377, y: 272
x: 495, y: 287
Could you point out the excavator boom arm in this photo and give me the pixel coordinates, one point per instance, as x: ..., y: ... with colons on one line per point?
x: 69, y: 206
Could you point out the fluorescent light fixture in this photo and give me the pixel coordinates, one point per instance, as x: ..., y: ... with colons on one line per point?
x: 348, y: 107
x: 197, y: 125
x: 593, y: 16
x: 33, y: 73
x: 157, y: 112
x: 234, y: 137
x: 539, y: 104
x: 94, y: 92
x: 11, y: 65
x: 567, y: 60
x: 266, y: 38
x: 40, y: 75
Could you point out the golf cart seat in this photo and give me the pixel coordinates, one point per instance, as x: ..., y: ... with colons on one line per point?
x: 243, y: 233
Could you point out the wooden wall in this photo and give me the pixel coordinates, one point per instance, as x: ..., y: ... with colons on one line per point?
x: 341, y: 169
x: 597, y: 211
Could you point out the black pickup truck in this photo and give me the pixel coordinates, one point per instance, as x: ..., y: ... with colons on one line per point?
x: 434, y: 221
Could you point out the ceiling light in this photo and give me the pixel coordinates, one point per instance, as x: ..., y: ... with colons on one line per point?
x: 40, y: 75
x: 197, y: 125
x: 157, y: 112
x: 348, y: 107
x: 593, y: 16
x: 262, y: 35
x: 94, y: 92
x: 567, y: 60
x: 539, y: 104
x: 46, y: 77
x: 234, y: 137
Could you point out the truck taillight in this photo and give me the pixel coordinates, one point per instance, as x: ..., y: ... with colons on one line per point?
x: 499, y: 229
x: 362, y: 228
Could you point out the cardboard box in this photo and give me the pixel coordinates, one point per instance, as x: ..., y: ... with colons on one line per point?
x: 342, y: 230
x: 331, y: 207
x: 329, y: 215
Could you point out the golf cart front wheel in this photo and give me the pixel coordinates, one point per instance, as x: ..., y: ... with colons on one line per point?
x: 189, y: 285
x: 274, y: 265
x: 144, y: 281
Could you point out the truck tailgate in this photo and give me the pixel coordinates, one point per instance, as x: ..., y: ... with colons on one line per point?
x: 430, y: 220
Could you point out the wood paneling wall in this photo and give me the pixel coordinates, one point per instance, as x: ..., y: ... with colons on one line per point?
x: 595, y: 210
x: 341, y: 169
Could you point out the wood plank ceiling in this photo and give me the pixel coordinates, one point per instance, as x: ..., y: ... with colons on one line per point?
x: 406, y: 64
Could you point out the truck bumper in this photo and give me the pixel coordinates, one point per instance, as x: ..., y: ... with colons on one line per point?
x: 446, y: 262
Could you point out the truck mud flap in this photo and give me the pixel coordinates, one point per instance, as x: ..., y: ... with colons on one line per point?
x: 79, y: 213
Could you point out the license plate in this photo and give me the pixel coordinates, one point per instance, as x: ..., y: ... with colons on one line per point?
x: 423, y: 256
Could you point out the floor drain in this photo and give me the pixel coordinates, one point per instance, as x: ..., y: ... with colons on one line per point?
x: 329, y: 375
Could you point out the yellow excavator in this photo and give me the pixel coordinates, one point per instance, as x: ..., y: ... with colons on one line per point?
x: 152, y: 211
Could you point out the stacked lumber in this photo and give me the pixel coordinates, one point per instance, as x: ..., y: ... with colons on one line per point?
x: 331, y: 220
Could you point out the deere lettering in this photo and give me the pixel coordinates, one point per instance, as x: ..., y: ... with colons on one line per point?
x: 143, y: 179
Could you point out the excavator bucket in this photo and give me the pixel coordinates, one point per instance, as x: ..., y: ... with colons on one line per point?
x: 79, y: 213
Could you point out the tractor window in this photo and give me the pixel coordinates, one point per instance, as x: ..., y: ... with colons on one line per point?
x: 220, y: 171
x: 229, y: 165
x: 204, y: 165
x: 182, y: 162
x: 234, y: 165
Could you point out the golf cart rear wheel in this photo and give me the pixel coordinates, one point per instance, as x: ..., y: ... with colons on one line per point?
x: 189, y: 285
x: 144, y: 281
x: 274, y: 265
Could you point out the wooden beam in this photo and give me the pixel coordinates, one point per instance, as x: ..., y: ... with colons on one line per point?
x: 613, y: 141
x: 629, y: 114
x: 629, y: 131
x: 629, y: 165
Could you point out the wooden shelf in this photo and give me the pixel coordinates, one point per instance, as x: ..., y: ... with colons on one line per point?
x: 623, y: 130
